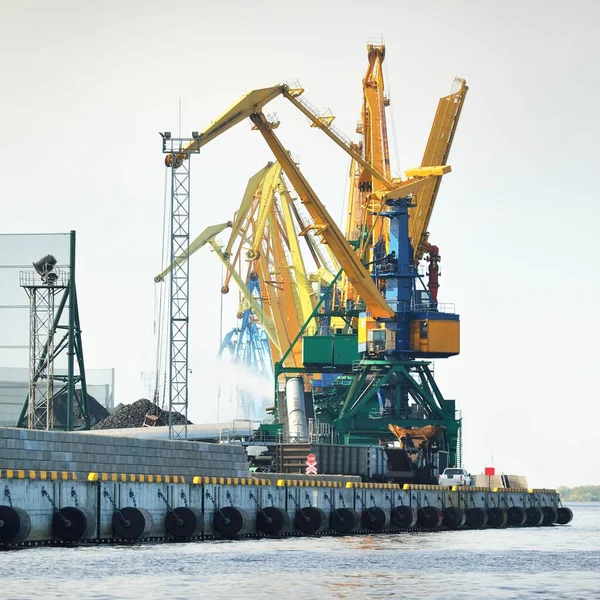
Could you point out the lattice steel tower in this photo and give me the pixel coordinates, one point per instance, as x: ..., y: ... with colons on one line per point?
x: 44, y: 286
x: 177, y: 157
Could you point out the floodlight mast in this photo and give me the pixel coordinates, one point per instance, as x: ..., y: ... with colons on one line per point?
x: 43, y: 287
x: 178, y: 161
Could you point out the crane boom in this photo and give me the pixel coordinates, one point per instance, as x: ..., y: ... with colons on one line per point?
x: 305, y: 291
x: 255, y: 100
x: 205, y: 237
x: 436, y: 153
x: 253, y: 303
x: 357, y: 274
x: 242, y: 213
x: 325, y: 126
x: 243, y: 108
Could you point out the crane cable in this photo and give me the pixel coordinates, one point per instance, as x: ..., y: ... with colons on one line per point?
x: 393, y: 123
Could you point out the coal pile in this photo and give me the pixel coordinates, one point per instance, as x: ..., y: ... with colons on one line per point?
x: 96, y: 411
x: 134, y: 415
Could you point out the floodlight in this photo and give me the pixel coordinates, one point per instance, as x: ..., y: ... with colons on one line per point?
x: 45, y: 265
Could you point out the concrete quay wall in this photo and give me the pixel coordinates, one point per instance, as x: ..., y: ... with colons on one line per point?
x: 57, y: 507
x: 79, y: 453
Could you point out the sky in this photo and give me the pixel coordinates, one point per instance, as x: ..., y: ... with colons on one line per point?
x: 87, y: 86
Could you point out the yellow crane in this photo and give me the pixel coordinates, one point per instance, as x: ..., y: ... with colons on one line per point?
x: 364, y: 224
x: 264, y: 245
x: 399, y: 324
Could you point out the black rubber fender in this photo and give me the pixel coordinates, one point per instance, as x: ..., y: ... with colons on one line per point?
x: 184, y: 522
x: 231, y: 521
x: 430, y: 517
x: 15, y: 525
x: 403, y: 517
x: 132, y: 523
x: 477, y: 517
x: 73, y: 524
x: 535, y: 516
x: 565, y: 515
x: 344, y: 520
x: 454, y: 517
x: 516, y: 516
x: 374, y: 518
x: 550, y: 515
x: 497, y: 517
x: 310, y: 519
x: 272, y: 520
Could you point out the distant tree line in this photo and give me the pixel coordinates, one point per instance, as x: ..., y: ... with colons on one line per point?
x: 583, y: 493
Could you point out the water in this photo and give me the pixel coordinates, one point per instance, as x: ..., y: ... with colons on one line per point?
x: 555, y: 562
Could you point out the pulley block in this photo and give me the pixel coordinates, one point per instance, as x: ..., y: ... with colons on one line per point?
x: 15, y: 525
x: 73, y: 524
x: 184, y: 522
x: 132, y: 523
x: 272, y: 520
x: 310, y: 519
x: 175, y: 160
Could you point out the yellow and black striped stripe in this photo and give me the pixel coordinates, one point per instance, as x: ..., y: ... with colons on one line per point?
x: 134, y: 478
x: 372, y: 486
x: 43, y: 475
x: 418, y: 486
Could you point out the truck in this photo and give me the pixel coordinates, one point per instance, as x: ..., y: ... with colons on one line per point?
x: 454, y: 476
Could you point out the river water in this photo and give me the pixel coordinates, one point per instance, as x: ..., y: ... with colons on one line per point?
x: 546, y: 562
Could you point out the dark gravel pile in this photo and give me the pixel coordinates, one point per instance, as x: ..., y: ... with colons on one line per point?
x: 96, y: 411
x: 133, y: 415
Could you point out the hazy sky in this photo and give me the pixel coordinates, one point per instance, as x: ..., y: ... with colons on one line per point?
x: 87, y: 86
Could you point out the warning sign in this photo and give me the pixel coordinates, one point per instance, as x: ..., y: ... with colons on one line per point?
x: 311, y: 464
